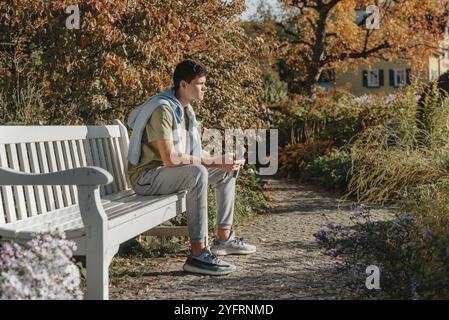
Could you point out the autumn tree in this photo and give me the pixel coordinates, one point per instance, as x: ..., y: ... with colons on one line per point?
x: 323, y: 34
x: 122, y: 53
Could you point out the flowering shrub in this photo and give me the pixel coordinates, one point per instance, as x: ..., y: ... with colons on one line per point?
x: 123, y: 53
x: 42, y: 270
x: 412, y: 257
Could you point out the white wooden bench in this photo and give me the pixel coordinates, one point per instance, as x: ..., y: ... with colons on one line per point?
x: 74, y: 178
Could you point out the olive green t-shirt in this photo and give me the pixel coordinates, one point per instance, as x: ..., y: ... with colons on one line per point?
x: 159, y: 127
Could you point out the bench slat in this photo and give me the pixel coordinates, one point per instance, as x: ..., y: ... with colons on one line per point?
x: 76, y: 159
x: 53, y: 167
x: 103, y: 162
x: 43, y: 162
x: 66, y: 193
x: 29, y: 190
x: 96, y: 160
x: 69, y: 165
x: 123, y: 143
x: 118, y: 182
x: 2, y: 210
x: 118, y: 212
x: 88, y: 153
x: 21, y: 209
x: 39, y: 190
x: 8, y: 198
x: 144, y: 221
x: 74, y: 154
x: 71, y: 213
x: 132, y: 203
x: 81, y: 153
x: 120, y: 166
x: 110, y: 164
x: 115, y: 198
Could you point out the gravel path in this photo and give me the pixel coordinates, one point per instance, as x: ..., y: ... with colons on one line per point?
x: 288, y: 264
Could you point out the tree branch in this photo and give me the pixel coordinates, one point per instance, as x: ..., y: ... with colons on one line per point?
x: 294, y: 34
x: 302, y: 42
x: 286, y: 30
x: 358, y: 55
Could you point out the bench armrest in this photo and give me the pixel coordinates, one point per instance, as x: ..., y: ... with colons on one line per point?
x: 84, y: 176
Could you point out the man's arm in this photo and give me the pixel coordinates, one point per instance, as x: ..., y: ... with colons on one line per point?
x: 169, y: 153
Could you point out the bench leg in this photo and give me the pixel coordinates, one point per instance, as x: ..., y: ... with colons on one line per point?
x: 97, y: 267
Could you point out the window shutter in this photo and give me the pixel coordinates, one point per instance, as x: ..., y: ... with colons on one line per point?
x: 381, y: 78
x: 408, y: 79
x: 392, y: 78
x: 365, y: 78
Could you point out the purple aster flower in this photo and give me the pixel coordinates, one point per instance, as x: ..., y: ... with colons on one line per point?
x: 335, y: 269
x: 427, y: 234
x: 41, y: 270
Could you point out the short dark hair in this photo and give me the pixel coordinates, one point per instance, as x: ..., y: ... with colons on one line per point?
x: 187, y: 71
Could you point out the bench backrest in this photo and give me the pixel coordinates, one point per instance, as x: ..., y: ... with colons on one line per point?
x: 42, y: 149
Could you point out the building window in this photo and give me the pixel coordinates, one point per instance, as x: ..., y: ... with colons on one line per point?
x: 400, y: 77
x: 373, y: 78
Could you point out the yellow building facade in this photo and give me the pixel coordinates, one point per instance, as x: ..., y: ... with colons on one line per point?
x: 385, y: 77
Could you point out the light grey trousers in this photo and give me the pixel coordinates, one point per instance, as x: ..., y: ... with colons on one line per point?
x: 194, y: 178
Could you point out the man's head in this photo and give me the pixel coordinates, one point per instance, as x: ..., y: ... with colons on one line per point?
x: 189, y: 79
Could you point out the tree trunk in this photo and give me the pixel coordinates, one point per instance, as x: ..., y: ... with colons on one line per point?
x: 318, y: 57
x: 311, y: 82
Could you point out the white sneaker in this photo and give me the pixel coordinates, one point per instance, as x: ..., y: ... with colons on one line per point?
x: 231, y: 246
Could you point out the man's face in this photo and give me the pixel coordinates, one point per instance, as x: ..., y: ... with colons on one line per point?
x: 195, y: 89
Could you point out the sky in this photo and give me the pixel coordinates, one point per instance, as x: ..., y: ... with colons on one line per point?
x: 252, y: 5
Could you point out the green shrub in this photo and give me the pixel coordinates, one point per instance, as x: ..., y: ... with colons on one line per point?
x: 386, y: 160
x: 330, y: 170
x: 275, y: 91
x: 429, y: 245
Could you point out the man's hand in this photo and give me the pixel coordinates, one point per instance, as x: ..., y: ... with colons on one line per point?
x: 225, y: 162
x: 228, y: 163
x: 228, y: 167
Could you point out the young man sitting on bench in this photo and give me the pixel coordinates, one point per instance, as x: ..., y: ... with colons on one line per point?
x: 165, y: 157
